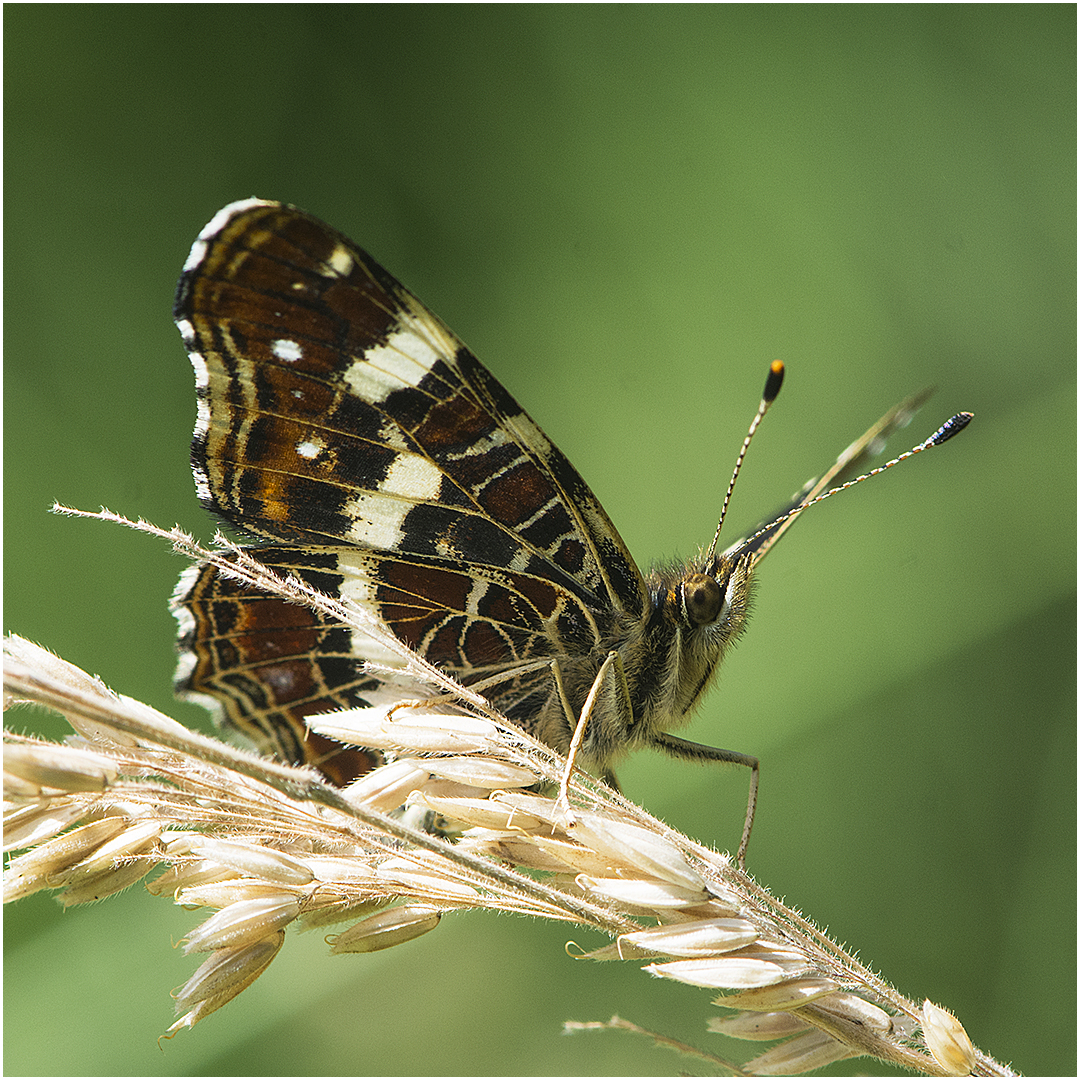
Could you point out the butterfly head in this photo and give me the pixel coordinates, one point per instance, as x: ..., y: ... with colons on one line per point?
x: 705, y: 600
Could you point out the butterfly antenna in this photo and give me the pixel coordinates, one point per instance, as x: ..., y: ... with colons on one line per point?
x: 768, y: 396
x: 953, y: 426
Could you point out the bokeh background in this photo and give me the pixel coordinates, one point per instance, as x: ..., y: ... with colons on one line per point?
x: 627, y: 212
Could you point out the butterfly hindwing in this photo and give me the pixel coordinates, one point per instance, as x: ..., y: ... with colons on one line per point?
x: 263, y: 664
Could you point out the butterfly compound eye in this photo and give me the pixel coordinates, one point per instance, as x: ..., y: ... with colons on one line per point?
x: 701, y: 599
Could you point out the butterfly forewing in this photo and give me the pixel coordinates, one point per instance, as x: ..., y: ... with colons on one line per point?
x: 337, y: 409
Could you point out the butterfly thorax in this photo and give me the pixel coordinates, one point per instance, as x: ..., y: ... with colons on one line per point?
x: 666, y: 661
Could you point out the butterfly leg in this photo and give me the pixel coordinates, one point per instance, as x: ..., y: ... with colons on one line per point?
x: 691, y: 751
x: 611, y: 672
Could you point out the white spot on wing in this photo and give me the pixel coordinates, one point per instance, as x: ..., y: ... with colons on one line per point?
x: 357, y: 587
x: 187, y: 332
x: 340, y: 261
x: 403, y: 361
x: 202, y: 373
x: 412, y: 476
x: 215, y: 225
x: 310, y: 448
x: 202, y: 486
x: 526, y: 433
x: 391, y: 435
x: 183, y: 587
x: 287, y: 350
x: 520, y: 561
x: 202, y: 418
x: 356, y: 581
x: 378, y: 516
x: 226, y: 213
x: 187, y: 661
x: 377, y: 520
x: 476, y: 594
x: 195, y: 255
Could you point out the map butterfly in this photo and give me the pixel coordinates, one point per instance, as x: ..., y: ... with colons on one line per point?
x: 342, y: 424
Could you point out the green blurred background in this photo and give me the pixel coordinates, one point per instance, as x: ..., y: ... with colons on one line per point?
x: 627, y: 212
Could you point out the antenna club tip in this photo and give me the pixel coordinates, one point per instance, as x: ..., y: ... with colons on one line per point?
x: 773, y: 382
x: 953, y: 426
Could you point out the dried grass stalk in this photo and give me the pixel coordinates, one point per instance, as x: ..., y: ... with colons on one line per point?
x: 265, y: 845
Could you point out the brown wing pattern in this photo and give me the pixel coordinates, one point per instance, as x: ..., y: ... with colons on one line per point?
x: 339, y: 416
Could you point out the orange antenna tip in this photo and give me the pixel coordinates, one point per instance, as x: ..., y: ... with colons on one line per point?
x: 774, y: 381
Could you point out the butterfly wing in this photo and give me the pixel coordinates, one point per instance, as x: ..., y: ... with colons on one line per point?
x: 334, y: 408
x: 338, y: 415
x: 261, y: 664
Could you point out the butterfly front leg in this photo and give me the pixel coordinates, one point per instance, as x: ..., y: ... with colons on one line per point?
x: 607, y: 705
x: 692, y: 751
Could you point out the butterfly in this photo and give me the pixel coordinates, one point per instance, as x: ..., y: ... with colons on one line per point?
x: 377, y: 460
